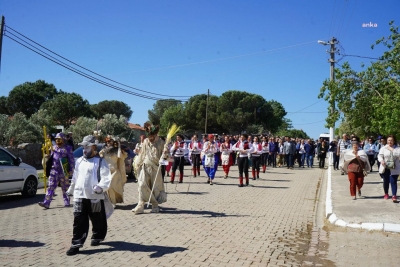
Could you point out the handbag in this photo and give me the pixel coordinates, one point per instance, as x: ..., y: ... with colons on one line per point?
x: 390, y: 162
x: 362, y: 167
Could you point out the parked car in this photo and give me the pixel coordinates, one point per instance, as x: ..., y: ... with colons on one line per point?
x: 16, y: 176
x: 128, y: 161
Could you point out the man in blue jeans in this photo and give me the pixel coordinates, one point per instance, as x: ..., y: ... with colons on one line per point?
x: 309, y: 148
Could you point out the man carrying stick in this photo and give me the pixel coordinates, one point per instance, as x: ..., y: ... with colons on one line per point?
x: 150, y: 181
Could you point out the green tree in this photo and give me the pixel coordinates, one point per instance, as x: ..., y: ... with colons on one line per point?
x: 67, y: 107
x: 42, y: 118
x: 111, y: 107
x: 20, y: 130
x: 82, y: 127
x: 238, y: 109
x: 368, y: 100
x: 159, y: 107
x: 111, y: 124
x: 28, y: 97
x: 195, y: 113
x: 4, y: 125
x: 277, y: 119
x: 3, y: 105
x: 173, y: 114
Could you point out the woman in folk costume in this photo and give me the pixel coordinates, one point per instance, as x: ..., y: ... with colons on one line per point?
x: 195, y: 148
x: 226, y: 155
x: 115, y: 158
x: 153, y: 150
x: 62, y: 167
x: 210, y: 158
x: 243, y: 147
x: 256, y: 157
x: 178, y: 152
x: 265, y: 153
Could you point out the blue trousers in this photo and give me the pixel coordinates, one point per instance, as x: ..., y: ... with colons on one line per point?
x: 392, y: 179
x: 211, y: 170
x: 310, y: 160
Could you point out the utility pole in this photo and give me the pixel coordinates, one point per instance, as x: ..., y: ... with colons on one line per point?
x: 205, y: 126
x: 332, y: 61
x: 1, y: 35
x: 332, y: 52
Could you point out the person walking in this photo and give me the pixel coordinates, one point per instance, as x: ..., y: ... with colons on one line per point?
x: 195, y: 148
x: 322, y: 149
x: 243, y: 147
x: 265, y: 154
x: 256, y: 157
x: 226, y: 155
x: 91, y: 178
x: 309, y: 148
x: 343, y: 144
x: 390, y: 166
x: 302, y: 153
x: 62, y: 164
x: 333, y: 149
x: 210, y: 158
x: 178, y: 152
x: 355, y: 163
x: 281, y: 154
x: 369, y: 148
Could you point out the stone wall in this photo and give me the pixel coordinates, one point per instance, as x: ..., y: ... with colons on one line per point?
x: 29, y: 153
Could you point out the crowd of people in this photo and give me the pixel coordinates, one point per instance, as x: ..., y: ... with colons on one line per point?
x: 98, y: 177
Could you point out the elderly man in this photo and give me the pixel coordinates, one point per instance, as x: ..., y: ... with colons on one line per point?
x: 150, y: 181
x: 91, y: 178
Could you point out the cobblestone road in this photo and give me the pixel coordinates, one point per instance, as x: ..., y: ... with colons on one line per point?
x: 269, y: 223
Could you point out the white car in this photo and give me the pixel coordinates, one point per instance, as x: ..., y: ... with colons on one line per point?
x: 16, y: 176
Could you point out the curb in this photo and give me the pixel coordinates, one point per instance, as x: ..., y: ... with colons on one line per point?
x: 333, y: 219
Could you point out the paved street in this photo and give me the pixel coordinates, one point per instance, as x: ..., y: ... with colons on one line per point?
x: 276, y: 221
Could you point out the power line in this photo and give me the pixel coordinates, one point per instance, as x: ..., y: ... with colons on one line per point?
x: 8, y: 27
x: 305, y: 107
x: 345, y: 55
x: 226, y: 58
x: 88, y: 76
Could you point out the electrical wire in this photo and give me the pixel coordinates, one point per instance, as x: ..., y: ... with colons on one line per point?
x: 340, y: 25
x: 305, y: 107
x: 90, y: 77
x: 332, y: 18
x: 226, y: 58
x: 348, y: 23
x: 362, y: 57
x: 8, y: 27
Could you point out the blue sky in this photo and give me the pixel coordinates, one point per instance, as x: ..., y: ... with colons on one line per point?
x: 183, y: 48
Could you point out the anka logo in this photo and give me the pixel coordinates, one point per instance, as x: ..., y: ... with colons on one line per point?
x: 370, y: 25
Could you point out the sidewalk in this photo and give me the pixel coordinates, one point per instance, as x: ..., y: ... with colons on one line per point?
x: 370, y: 211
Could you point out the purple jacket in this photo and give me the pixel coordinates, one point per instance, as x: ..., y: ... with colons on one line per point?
x: 273, y: 147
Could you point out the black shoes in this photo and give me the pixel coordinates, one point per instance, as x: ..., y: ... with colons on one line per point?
x: 95, y: 243
x: 72, y: 251
x: 359, y: 193
x: 241, y: 185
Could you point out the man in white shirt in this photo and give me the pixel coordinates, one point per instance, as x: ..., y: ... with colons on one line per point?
x: 91, y: 178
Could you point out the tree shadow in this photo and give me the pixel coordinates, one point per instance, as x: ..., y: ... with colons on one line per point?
x: 372, y: 182
x: 159, y: 251
x: 16, y: 243
x: 17, y: 200
x: 204, y: 213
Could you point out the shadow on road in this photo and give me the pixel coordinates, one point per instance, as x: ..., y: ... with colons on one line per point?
x: 189, y: 193
x: 16, y: 243
x: 17, y: 200
x: 205, y: 213
x: 260, y: 186
x: 159, y: 251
